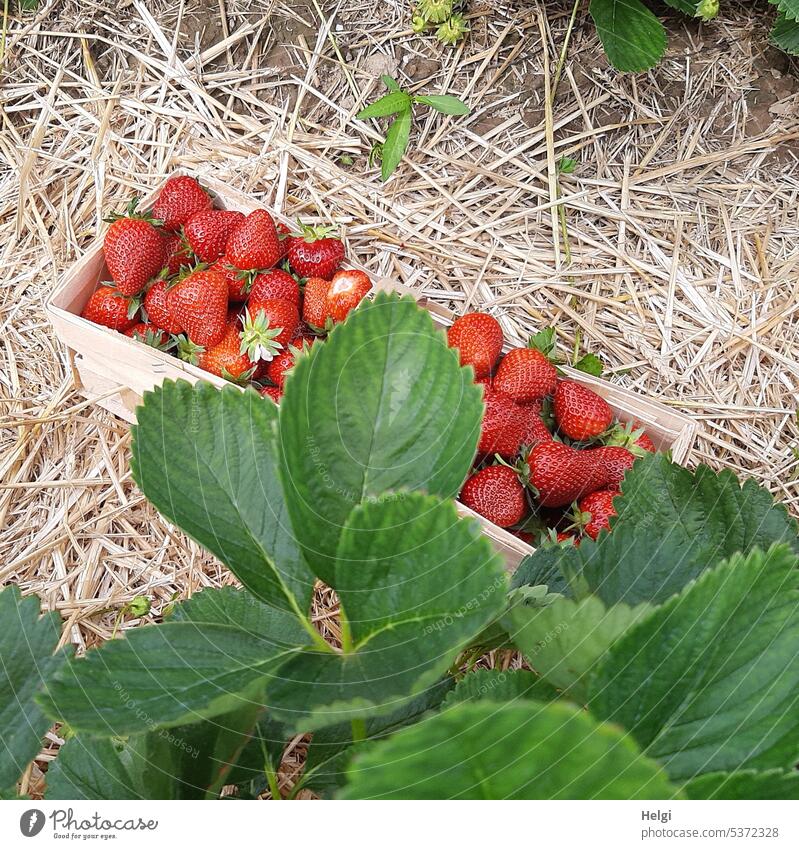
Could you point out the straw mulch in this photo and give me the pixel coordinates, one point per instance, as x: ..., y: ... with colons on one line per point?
x: 680, y: 268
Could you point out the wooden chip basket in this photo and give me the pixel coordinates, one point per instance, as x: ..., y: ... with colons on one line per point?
x: 116, y: 370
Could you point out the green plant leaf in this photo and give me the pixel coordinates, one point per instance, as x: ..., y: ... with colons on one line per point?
x: 27, y: 666
x: 564, y: 640
x: 633, y: 38
x: 672, y: 524
x: 709, y: 682
x: 382, y: 405
x: 746, y: 784
x: 389, y: 104
x: 185, y: 762
x: 332, y: 748
x: 396, y: 143
x: 390, y: 83
x: 206, y: 459
x: 182, y: 671
x: 444, y: 103
x: 498, y: 685
x: 263, y: 751
x: 589, y: 364
x: 785, y: 35
x: 788, y: 8
x: 489, y: 750
x: 416, y: 584
x: 687, y: 7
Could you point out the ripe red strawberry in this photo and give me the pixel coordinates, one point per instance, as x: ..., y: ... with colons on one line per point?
x: 108, y: 307
x: 496, y: 494
x: 284, y: 361
x: 207, y: 232
x: 535, y: 431
x: 525, y: 374
x: 180, y: 198
x: 503, y: 426
x: 646, y: 443
x: 254, y: 242
x: 150, y: 335
x: 478, y: 338
x: 599, y: 508
x: 562, y: 474
x: 225, y: 359
x: 314, y: 302
x: 580, y: 413
x: 275, y: 284
x: 563, y: 536
x: 615, y: 460
x: 134, y: 250
x: 347, y: 289
x: 284, y: 234
x: 272, y: 392
x: 198, y: 303
x: 269, y: 326
x: 315, y: 253
x: 177, y: 255
x: 158, y: 312
x: 238, y: 281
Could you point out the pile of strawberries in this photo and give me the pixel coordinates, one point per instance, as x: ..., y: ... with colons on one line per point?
x: 236, y: 294
x: 551, y: 454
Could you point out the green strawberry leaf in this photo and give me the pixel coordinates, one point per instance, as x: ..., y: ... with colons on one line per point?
x: 189, y: 762
x: 216, y: 477
x: 589, y: 364
x: 490, y: 750
x: 633, y: 38
x: 27, y: 666
x: 416, y: 584
x: 709, y: 682
x: 498, y: 685
x: 543, y: 341
x: 672, y: 525
x: 389, y: 104
x: 396, y: 143
x: 745, y: 784
x: 193, y: 667
x: 687, y: 7
x: 382, y: 405
x: 444, y: 103
x: 785, y: 34
x: 564, y: 640
x: 390, y: 83
x: 788, y: 8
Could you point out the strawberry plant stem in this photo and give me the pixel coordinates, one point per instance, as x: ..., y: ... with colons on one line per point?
x: 564, y: 49
x: 271, y: 780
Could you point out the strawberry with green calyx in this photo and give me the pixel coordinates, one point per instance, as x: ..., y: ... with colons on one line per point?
x: 272, y: 392
x: 177, y: 255
x: 150, y: 335
x: 347, y: 289
x: 535, y: 430
x: 435, y: 11
x: 254, y: 243
x: 526, y: 375
x: 581, y: 414
x: 283, y: 362
x: 632, y: 437
x: 594, y: 512
x: 198, y: 302
x: 275, y: 284
x: 269, y: 326
x: 110, y: 308
x: 478, y: 338
x: 226, y: 359
x: 452, y: 30
x: 554, y: 537
x: 158, y: 312
x: 180, y: 198
x: 561, y: 474
x: 134, y: 250
x: 503, y: 427
x: 496, y: 493
x: 207, y: 232
x: 315, y: 253
x: 238, y: 282
x: 314, y: 304
x: 615, y: 460
x: 187, y: 350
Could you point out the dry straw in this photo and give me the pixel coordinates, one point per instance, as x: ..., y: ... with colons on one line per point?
x: 682, y: 220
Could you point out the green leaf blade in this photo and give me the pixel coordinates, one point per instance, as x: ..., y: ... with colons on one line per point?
x: 396, y: 143
x: 389, y: 104
x: 633, y: 38
x: 444, y: 103
x: 383, y: 405
x: 215, y: 475
x: 490, y: 750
